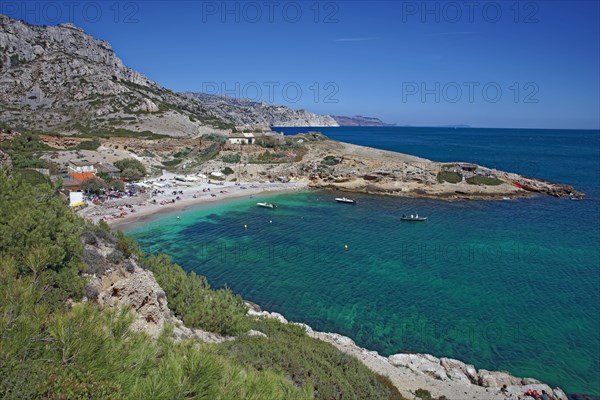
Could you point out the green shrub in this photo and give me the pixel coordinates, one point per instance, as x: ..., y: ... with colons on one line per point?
x: 449, y: 176
x: 215, y: 137
x: 191, y: 298
x: 172, y: 163
x: 232, y: 158
x: 227, y: 171
x: 266, y: 141
x: 423, y: 394
x: 50, y: 351
x: 130, y: 163
x: 131, y: 168
x: 93, y: 185
x: 484, y: 180
x: 87, y: 353
x: 308, y: 362
x: 33, y: 177
x: 208, y: 153
x: 24, y: 151
x: 183, y: 153
x: 127, y: 245
x: 330, y: 161
x: 42, y: 235
x: 268, y: 157
x: 88, y: 145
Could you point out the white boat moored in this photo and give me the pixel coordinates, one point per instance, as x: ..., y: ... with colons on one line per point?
x: 414, y: 218
x: 345, y: 200
x: 266, y: 205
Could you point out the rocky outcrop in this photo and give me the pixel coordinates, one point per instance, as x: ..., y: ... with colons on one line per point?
x: 119, y: 281
x: 539, y: 185
x: 366, y: 170
x: 259, y: 115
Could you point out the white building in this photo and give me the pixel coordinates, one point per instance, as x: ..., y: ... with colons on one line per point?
x: 241, y: 138
x: 80, y: 167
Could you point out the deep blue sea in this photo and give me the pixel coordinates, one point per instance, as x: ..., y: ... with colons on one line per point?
x: 505, y: 285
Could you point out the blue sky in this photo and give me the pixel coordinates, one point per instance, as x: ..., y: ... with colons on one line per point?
x: 494, y: 64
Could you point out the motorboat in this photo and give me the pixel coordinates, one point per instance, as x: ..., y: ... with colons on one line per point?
x: 266, y: 205
x: 413, y: 218
x: 345, y: 200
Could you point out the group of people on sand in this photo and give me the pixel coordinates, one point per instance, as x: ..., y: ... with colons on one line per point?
x: 531, y: 393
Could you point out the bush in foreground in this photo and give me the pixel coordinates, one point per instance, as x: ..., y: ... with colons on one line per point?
x: 51, y: 350
x: 199, y: 306
x: 307, y: 361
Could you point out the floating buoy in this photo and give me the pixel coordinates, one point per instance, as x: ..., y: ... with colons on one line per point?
x: 245, y: 226
x: 270, y: 222
x: 178, y: 217
x: 345, y: 247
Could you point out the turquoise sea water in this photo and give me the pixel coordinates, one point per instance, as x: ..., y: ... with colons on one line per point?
x: 510, y: 285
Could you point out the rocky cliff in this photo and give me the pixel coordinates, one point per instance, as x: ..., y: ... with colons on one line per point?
x: 262, y: 115
x: 61, y: 79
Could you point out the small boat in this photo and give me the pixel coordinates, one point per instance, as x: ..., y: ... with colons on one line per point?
x: 413, y: 218
x: 266, y: 205
x: 345, y: 200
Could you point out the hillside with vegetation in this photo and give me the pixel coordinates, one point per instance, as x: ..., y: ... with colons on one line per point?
x: 60, y: 342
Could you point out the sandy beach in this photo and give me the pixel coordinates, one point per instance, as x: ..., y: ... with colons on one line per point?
x: 175, y: 195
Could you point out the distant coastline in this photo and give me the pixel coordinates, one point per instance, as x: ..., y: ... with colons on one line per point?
x: 359, y: 120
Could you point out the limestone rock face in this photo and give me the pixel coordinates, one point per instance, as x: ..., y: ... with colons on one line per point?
x: 147, y: 105
x: 60, y: 78
x: 259, y: 115
x: 119, y: 281
x: 496, y: 379
x: 139, y: 292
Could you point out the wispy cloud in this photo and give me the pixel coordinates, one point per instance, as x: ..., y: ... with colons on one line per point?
x: 464, y: 33
x: 358, y: 39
